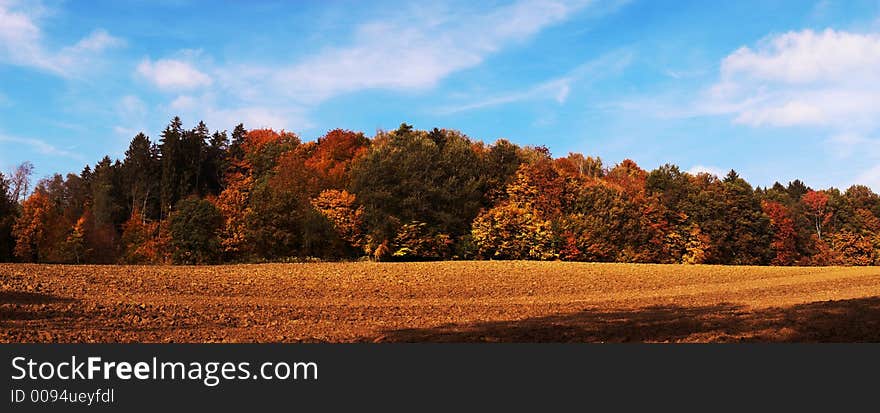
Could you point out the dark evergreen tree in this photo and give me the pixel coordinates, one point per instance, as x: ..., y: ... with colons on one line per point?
x: 8, y: 214
x: 236, y: 152
x: 407, y: 177
x: 171, y: 153
x: 141, y: 172
x: 194, y: 226
x: 215, y: 164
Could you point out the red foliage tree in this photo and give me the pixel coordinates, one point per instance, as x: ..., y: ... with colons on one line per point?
x: 816, y: 203
x: 331, y: 159
x: 784, y: 242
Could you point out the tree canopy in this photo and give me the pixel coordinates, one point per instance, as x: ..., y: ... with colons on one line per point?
x: 197, y: 196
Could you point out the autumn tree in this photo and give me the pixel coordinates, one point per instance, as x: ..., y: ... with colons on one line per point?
x: 234, y: 206
x: 596, y: 223
x: 282, y: 222
x: 862, y: 197
x: 513, y: 231
x: 341, y: 209
x: 331, y: 159
x: 75, y: 243
x: 816, y: 203
x: 784, y: 236
x: 31, y: 229
x: 198, y: 196
x: 581, y: 166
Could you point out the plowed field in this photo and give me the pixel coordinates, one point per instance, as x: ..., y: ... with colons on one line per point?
x: 440, y: 301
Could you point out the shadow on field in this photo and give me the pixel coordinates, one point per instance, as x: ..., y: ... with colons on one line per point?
x: 25, y: 306
x: 21, y: 297
x: 856, y: 320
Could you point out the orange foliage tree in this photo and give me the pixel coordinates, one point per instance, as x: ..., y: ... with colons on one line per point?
x: 331, y: 158
x: 145, y: 242
x: 30, y: 229
x: 341, y: 209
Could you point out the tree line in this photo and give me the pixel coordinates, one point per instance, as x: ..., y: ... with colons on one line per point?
x: 198, y: 197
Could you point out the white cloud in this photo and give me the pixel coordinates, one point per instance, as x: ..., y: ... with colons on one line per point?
x: 805, y: 57
x: 22, y: 43
x: 789, y: 114
x: 827, y: 80
x: 173, y: 74
x: 702, y: 169
x: 806, y: 78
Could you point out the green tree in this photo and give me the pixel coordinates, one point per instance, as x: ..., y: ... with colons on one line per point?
x: 410, y: 176
x: 8, y: 215
x: 194, y: 226
x: 141, y: 171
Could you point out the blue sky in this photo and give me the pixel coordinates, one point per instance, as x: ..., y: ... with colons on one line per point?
x: 777, y: 90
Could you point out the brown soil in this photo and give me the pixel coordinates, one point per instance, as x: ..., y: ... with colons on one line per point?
x: 441, y: 301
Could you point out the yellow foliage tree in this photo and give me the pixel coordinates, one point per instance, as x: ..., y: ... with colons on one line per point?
x: 513, y: 231
x: 339, y: 207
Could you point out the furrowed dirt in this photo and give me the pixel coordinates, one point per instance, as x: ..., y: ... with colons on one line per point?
x: 439, y: 302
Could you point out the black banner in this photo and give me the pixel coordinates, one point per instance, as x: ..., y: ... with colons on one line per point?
x: 415, y: 377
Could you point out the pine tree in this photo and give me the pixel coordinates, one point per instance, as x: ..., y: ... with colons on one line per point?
x: 141, y: 171
x: 171, y: 155
x: 8, y: 214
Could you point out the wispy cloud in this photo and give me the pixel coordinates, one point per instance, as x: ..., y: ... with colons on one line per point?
x: 213, y: 110
x: 22, y: 43
x: 41, y: 146
x: 419, y: 51
x: 131, y: 111
x: 557, y: 89
x: 412, y: 52
x: 870, y: 177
